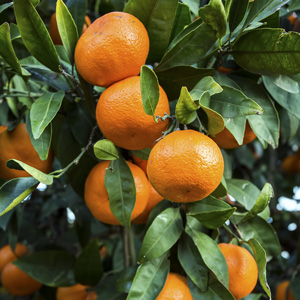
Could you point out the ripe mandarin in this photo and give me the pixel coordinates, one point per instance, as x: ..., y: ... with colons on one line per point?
x: 142, y: 163
x: 121, y: 117
x: 291, y: 163
x: 226, y: 140
x: 175, y: 288
x: 53, y: 29
x: 114, y: 47
x: 242, y: 269
x: 185, y: 166
x: 96, y: 196
x: 16, y: 144
x: 75, y: 292
x: 281, y: 291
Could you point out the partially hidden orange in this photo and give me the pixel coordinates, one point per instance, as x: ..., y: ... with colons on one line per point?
x: 122, y: 119
x: 226, y: 140
x: 18, y: 282
x: 175, y: 288
x: 16, y: 144
x: 291, y: 164
x: 114, y: 47
x: 53, y: 28
x: 2, y: 128
x: 96, y: 196
x: 75, y: 292
x: 242, y: 269
x: 282, y: 293
x: 185, y: 166
x: 142, y: 163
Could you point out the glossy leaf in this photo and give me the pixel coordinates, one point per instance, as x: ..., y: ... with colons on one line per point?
x: 206, y: 84
x: 120, y: 187
x: 52, y: 268
x: 14, y: 191
x: 237, y: 12
x: 209, y: 250
x: 149, y: 90
x: 182, y: 19
x: 105, y: 150
x: 35, y: 34
x: 261, y: 260
x: 214, y: 15
x: 43, y: 111
x: 192, y: 263
x: 268, y: 51
x: 263, y: 232
x: 150, y: 279
x: 193, y: 5
x: 5, y: 6
x: 162, y: 234
x: 158, y: 17
x: 221, y: 190
x: 35, y: 173
x: 143, y: 154
x: 88, y: 267
x: 211, y: 212
x: 78, y: 9
x: 67, y: 29
x: 198, y: 36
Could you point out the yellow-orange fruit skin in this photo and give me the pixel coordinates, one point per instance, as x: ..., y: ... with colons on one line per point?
x: 281, y: 291
x: 7, y: 255
x: 226, y: 140
x: 16, y: 144
x: 121, y: 117
x: 185, y: 166
x: 75, y: 292
x: 53, y: 29
x: 2, y: 128
x: 114, y: 47
x: 142, y: 163
x: 242, y: 269
x: 96, y: 196
x: 175, y: 288
x: 18, y: 282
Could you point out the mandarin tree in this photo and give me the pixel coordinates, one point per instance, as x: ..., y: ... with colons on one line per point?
x: 148, y: 149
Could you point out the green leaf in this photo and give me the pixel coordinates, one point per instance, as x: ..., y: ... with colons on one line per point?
x: 20, y: 84
x: 263, y: 232
x: 143, y: 154
x: 286, y: 83
x: 120, y: 187
x: 105, y: 150
x: 14, y: 191
x: 88, y: 267
x: 294, y: 285
x: 35, y: 35
x: 192, y: 263
x: 294, y: 5
x: 189, y: 48
x: 173, y: 79
x: 52, y: 268
x: 7, y: 51
x: 289, y: 125
x: 261, y: 260
x: 186, y: 107
x: 78, y: 9
x: 265, y: 126
x: 35, y: 173
x: 43, y: 111
x: 43, y: 143
x: 67, y: 29
x: 149, y: 90
x: 221, y: 190
x: 268, y: 51
x: 237, y: 12
x: 206, y: 84
x: 193, y: 5
x: 5, y: 6
x: 209, y: 250
x: 150, y: 279
x: 211, y: 212
x: 162, y: 234
x: 287, y: 100
x: 214, y: 15
x: 158, y: 17
x: 35, y: 2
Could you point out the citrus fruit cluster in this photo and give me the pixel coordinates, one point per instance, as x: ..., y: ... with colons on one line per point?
x: 14, y: 280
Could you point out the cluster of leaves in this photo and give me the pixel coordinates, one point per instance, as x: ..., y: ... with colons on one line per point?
x: 39, y: 83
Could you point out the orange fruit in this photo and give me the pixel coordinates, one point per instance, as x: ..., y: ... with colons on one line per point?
x: 175, y: 288
x: 226, y: 140
x: 7, y: 255
x: 242, y: 269
x: 154, y: 199
x: 185, y: 166
x: 53, y: 29
x: 224, y: 70
x: 16, y: 144
x: 281, y: 290
x: 75, y: 292
x: 114, y: 47
x: 18, y: 282
x: 121, y: 117
x: 291, y: 163
x: 96, y: 196
x: 292, y: 18
x: 142, y: 163
x: 2, y: 128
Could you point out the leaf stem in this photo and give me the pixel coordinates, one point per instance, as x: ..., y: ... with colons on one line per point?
x: 231, y: 232
x: 128, y: 247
